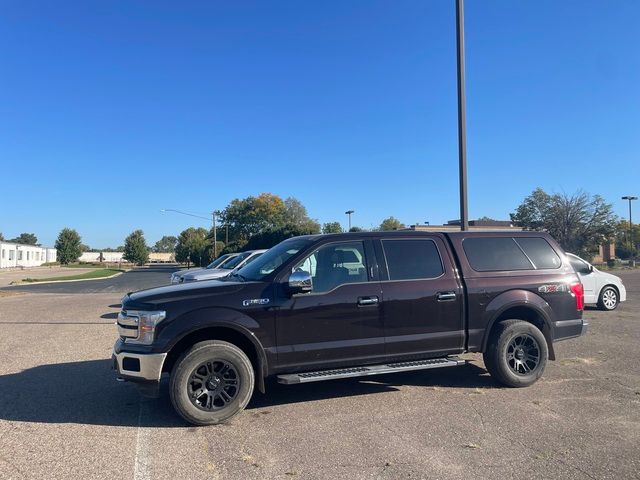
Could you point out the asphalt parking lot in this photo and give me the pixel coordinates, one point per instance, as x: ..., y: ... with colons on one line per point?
x: 63, y: 415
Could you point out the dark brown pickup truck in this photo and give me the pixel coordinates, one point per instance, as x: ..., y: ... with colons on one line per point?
x: 334, y: 306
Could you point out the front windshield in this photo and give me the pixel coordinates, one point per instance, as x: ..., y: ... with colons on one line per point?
x: 272, y: 259
x: 219, y: 261
x: 235, y: 261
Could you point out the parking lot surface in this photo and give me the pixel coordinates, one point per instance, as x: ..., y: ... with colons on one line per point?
x: 63, y: 415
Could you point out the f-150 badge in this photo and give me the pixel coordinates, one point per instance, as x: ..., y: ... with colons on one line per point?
x: 255, y: 301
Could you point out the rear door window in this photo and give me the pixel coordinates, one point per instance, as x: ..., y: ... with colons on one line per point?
x: 412, y: 259
x: 492, y: 254
x: 539, y: 252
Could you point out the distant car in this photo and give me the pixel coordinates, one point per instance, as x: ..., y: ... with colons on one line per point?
x: 217, y: 263
x: 239, y: 261
x: 600, y: 288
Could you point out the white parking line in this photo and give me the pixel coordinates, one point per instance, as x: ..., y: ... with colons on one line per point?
x: 142, y: 470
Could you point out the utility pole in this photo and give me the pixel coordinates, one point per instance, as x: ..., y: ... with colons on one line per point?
x: 215, y: 236
x: 632, y: 245
x: 462, y: 127
x: 349, y: 212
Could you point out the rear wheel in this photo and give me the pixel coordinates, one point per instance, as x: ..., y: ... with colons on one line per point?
x: 211, y: 383
x: 517, y: 353
x: 608, y: 299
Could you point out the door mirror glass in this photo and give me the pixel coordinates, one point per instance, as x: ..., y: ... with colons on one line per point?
x: 300, y: 282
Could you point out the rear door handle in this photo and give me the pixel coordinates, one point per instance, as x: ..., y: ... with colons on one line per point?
x: 367, y: 301
x: 446, y: 296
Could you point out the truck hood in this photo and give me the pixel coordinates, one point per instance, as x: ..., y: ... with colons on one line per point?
x: 155, y: 297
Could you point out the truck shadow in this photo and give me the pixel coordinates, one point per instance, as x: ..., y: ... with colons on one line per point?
x: 87, y: 393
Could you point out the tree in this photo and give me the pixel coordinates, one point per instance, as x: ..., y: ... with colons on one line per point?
x: 356, y: 229
x: 252, y: 215
x: 296, y: 216
x: 579, y: 222
x: 269, y: 238
x: 68, y: 246
x: 623, y: 242
x: 1, y: 237
x: 391, y: 223
x: 25, y: 239
x: 192, y: 246
x: 332, y: 227
x: 167, y: 244
x: 85, y: 248
x: 135, y: 248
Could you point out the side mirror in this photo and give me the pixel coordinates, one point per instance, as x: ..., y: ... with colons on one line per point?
x: 300, y: 282
x: 590, y: 268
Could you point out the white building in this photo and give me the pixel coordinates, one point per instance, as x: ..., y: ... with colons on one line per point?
x: 18, y: 255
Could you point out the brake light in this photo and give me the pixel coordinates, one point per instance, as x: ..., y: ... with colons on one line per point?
x: 578, y: 292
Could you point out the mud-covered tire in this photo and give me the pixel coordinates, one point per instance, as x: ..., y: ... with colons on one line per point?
x: 516, y: 354
x: 211, y: 383
x: 609, y: 299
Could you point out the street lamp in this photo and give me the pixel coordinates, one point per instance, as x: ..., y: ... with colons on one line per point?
x: 630, y: 198
x: 462, y: 122
x: 349, y: 212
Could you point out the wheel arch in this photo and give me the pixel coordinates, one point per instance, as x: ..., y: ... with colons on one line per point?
x: 233, y: 334
x: 526, y: 311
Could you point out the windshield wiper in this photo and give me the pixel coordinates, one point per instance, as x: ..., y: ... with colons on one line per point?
x: 237, y: 275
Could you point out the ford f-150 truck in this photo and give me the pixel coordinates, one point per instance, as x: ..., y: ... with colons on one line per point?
x: 346, y: 305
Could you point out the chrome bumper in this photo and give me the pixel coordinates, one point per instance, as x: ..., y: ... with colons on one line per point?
x: 136, y: 366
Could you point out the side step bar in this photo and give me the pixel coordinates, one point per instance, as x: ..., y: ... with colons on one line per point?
x: 364, y: 371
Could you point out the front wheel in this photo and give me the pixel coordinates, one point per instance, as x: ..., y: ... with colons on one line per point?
x: 517, y: 353
x: 608, y: 299
x: 211, y: 382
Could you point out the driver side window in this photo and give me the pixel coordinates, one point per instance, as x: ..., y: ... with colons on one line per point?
x: 335, y: 264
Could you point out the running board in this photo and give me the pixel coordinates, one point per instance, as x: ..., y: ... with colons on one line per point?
x: 364, y: 371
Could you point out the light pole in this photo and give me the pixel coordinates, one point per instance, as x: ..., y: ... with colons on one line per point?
x: 215, y: 214
x: 348, y: 213
x: 462, y: 122
x: 631, y: 198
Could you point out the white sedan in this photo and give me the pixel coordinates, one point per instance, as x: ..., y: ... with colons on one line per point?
x: 600, y: 288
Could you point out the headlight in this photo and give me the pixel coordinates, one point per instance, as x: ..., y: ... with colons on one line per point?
x: 138, y: 327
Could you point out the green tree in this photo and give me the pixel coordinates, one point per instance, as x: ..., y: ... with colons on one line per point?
x: 623, y: 241
x: 167, y: 244
x: 297, y: 218
x: 579, y: 222
x: 332, y: 227
x: 269, y: 238
x: 192, y: 246
x: 356, y: 229
x: 68, y: 246
x: 252, y: 215
x: 1, y: 237
x: 135, y: 248
x: 25, y: 239
x: 391, y: 223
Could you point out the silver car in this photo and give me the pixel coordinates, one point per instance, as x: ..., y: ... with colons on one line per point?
x: 217, y: 263
x: 239, y: 261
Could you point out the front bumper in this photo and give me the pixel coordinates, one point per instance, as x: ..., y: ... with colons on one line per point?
x: 566, y: 329
x: 138, y: 367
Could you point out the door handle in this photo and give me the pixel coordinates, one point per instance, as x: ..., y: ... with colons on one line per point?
x: 367, y: 301
x: 446, y: 296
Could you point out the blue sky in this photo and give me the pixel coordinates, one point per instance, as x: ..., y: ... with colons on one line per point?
x: 112, y: 111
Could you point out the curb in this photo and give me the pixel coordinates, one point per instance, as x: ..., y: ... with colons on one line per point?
x: 22, y: 284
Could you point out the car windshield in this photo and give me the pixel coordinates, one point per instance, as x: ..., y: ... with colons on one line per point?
x: 235, y: 261
x: 272, y: 259
x: 219, y: 261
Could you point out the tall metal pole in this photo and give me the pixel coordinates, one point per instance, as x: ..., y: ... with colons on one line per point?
x: 215, y: 236
x: 632, y: 245
x: 462, y: 128
x: 349, y: 212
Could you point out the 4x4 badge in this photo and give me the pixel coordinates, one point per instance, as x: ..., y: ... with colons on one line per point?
x: 255, y: 301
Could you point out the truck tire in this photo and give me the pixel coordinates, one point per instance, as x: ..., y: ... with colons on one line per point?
x: 608, y: 299
x: 211, y: 382
x: 516, y: 354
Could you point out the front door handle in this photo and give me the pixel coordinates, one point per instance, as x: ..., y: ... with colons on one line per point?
x: 367, y: 301
x: 446, y: 296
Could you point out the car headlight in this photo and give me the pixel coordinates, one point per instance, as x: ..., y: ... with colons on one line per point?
x: 138, y: 326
